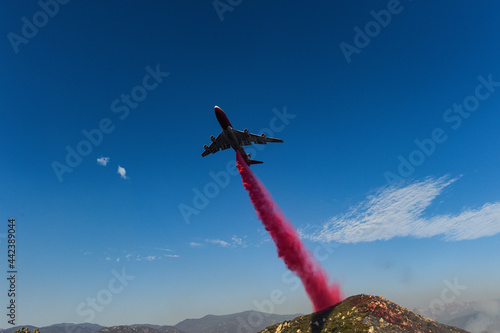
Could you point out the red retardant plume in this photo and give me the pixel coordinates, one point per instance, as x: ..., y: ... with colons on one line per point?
x: 290, y: 248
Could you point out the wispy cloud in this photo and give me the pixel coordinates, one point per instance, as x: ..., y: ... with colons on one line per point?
x: 398, y: 212
x: 122, y: 172
x: 238, y: 241
x: 103, y: 161
x: 194, y: 244
x: 158, y: 257
x: 235, y: 242
x: 218, y: 242
x: 150, y: 257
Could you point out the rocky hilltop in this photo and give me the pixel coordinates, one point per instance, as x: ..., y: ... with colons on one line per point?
x: 363, y: 313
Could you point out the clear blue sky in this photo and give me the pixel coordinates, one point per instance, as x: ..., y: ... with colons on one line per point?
x: 355, y: 109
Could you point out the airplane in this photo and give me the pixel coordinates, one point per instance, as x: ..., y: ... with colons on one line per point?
x: 230, y: 137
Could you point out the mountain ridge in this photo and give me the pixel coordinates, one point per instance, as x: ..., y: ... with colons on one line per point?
x: 206, y: 324
x: 253, y: 321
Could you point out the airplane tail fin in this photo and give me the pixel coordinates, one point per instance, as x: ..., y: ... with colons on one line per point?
x: 250, y: 162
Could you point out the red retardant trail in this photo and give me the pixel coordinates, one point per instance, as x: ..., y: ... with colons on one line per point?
x: 290, y: 248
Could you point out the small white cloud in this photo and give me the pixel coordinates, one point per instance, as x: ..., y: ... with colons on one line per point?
x: 238, y: 241
x: 235, y: 242
x: 108, y: 258
x: 103, y: 161
x: 218, y: 242
x: 194, y: 244
x: 163, y: 249
x: 122, y: 172
x: 118, y: 259
x: 171, y: 255
x: 128, y: 256
x: 151, y: 258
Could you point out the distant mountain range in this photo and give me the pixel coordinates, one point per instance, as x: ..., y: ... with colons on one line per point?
x: 476, y: 316
x: 249, y: 321
x: 140, y: 329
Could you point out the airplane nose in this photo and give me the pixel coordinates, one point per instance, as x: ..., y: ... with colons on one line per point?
x: 218, y: 111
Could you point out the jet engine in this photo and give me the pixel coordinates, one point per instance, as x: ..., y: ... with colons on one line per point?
x: 212, y: 138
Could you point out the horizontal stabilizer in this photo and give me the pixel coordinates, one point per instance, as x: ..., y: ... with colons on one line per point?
x: 250, y: 162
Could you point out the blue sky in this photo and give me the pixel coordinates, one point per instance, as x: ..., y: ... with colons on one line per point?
x: 415, y: 99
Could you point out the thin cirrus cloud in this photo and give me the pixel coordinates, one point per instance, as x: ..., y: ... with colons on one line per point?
x: 131, y: 257
x: 218, y: 242
x: 235, y: 242
x: 398, y: 212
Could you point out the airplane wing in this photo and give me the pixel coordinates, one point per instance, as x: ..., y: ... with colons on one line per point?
x: 246, y: 138
x: 219, y: 143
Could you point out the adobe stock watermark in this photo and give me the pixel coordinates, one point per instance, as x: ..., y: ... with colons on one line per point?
x: 222, y: 178
x: 453, y: 116
x: 121, y: 106
x: 449, y: 294
x: 222, y: 6
x: 30, y: 28
x: 267, y: 307
x: 363, y: 37
x: 103, y: 297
